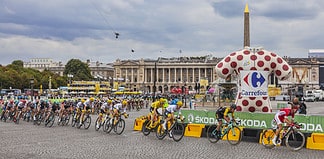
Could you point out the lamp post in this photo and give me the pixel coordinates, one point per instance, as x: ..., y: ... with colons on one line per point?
x: 154, y: 83
x: 32, y: 87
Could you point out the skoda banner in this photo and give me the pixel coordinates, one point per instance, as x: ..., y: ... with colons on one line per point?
x: 254, y: 83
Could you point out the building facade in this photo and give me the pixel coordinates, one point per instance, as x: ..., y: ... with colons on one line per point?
x: 165, y: 73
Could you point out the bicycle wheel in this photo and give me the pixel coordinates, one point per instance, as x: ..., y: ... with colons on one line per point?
x: 51, y: 120
x: 234, y: 135
x: 211, y: 134
x: 98, y: 124
x: 119, y: 127
x: 160, y: 132
x: 109, y: 125
x: 295, y: 140
x: 39, y: 119
x: 146, y: 127
x: 177, y: 131
x: 266, y: 138
x: 87, y: 122
x: 67, y: 119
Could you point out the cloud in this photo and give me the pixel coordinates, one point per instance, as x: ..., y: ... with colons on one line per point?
x: 86, y: 29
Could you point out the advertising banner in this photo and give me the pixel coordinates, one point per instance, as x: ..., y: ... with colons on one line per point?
x: 254, y: 120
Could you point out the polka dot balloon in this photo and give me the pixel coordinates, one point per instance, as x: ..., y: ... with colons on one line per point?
x: 250, y: 59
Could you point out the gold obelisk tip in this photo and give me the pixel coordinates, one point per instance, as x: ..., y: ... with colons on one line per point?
x: 246, y: 10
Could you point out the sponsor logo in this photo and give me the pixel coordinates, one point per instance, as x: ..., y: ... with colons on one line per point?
x: 256, y: 81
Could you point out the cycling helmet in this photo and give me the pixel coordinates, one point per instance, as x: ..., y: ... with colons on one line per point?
x: 109, y: 101
x: 162, y: 100
x: 179, y: 103
x: 124, y: 102
x: 233, y: 106
x: 91, y: 99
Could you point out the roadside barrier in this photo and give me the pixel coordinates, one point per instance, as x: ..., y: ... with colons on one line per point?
x: 194, y: 130
x: 138, y: 124
x: 315, y: 141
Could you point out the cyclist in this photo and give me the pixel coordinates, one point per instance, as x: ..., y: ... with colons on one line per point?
x: 154, y: 109
x: 222, y: 113
x: 169, y: 112
x: 282, y: 117
x: 104, y: 109
x: 117, y: 108
x: 20, y: 107
x: 88, y: 105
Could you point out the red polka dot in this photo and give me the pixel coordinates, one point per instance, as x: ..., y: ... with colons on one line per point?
x: 245, y: 102
x: 251, y: 109
x: 220, y: 65
x: 233, y: 64
x: 246, y: 52
x: 260, y: 63
x: 253, y: 57
x: 266, y: 69
x: 258, y: 103
x: 278, y: 73
x: 273, y: 65
x: 267, y: 58
x: 227, y: 59
x: 260, y: 52
x: 251, y: 98
x: 264, y: 98
x: 233, y: 54
x: 253, y: 68
x: 265, y: 109
x: 240, y: 69
x: 285, y: 67
x: 239, y: 57
x: 273, y: 54
x: 238, y: 108
x: 279, y: 60
x: 225, y: 71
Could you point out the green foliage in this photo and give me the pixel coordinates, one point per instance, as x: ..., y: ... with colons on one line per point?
x: 16, y: 76
x: 78, y: 69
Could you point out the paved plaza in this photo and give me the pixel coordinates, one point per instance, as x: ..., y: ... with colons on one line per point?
x: 29, y: 141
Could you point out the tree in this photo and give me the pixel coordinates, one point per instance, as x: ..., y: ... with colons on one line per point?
x: 78, y: 69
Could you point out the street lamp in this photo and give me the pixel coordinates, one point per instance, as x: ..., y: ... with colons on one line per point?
x: 32, y: 87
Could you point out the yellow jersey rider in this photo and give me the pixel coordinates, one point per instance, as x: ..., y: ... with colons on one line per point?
x: 154, y: 109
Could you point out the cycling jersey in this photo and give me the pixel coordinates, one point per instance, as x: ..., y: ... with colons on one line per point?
x: 80, y: 105
x: 21, y: 105
x: 223, y: 112
x: 119, y: 107
x: 172, y: 109
x: 282, y: 114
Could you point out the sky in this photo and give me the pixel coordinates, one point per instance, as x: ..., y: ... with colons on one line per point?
x: 148, y: 29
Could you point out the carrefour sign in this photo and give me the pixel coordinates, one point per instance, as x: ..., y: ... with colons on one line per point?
x: 254, y: 83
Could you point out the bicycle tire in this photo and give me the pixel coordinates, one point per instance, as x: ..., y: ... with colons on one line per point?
x: 234, y: 135
x: 295, y: 140
x: 145, y: 128
x: 211, y: 134
x: 87, y: 122
x: 51, y: 120
x: 266, y: 138
x: 39, y: 119
x: 119, y: 127
x: 109, y: 125
x: 160, y: 132
x: 67, y: 119
x: 177, y: 131
x: 97, y: 125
